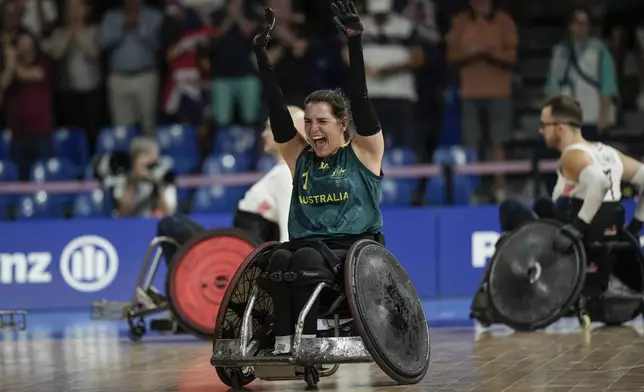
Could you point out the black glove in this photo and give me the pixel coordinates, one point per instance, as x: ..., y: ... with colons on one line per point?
x: 346, y: 18
x: 569, y: 234
x: 635, y: 227
x: 263, y: 37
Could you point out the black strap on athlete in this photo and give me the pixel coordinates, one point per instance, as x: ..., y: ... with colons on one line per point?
x: 281, y: 121
x: 348, y: 23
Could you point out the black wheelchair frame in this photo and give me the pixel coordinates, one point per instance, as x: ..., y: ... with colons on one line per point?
x: 237, y: 353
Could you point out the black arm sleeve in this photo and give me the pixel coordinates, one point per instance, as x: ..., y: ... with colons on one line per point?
x: 364, y: 116
x: 281, y: 121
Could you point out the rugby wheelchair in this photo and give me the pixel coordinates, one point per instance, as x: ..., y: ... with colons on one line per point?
x: 196, y: 281
x: 528, y: 285
x: 374, y: 290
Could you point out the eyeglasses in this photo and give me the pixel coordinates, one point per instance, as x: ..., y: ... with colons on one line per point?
x: 570, y: 123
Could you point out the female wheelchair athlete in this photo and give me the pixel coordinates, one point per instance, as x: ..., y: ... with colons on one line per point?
x: 196, y: 281
x: 375, y: 291
x: 529, y: 285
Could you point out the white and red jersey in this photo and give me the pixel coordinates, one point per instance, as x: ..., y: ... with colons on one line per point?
x: 270, y: 197
x: 184, y: 73
x: 607, y: 158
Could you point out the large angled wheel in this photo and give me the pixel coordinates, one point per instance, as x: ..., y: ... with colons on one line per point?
x: 387, y: 312
x: 231, y: 311
x: 531, y: 285
x: 199, y: 274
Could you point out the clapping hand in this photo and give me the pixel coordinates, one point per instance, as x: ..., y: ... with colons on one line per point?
x: 346, y: 18
x: 263, y: 37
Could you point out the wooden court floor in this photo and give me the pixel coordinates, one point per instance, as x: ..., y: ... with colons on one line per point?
x: 97, y: 357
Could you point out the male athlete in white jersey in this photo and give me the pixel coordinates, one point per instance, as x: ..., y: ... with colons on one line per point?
x: 588, y: 190
x: 262, y: 212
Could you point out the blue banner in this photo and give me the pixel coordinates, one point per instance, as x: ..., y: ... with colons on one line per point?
x: 57, y: 265
x: 466, y: 236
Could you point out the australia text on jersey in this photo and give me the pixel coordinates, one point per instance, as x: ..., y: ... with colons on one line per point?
x: 324, y: 198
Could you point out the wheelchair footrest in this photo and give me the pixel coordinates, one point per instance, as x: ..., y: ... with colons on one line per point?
x: 313, y: 351
x: 109, y: 310
x: 13, y: 320
x: 276, y: 372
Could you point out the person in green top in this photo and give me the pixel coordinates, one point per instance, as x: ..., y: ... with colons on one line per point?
x: 336, y: 179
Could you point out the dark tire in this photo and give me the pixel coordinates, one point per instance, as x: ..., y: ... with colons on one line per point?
x: 363, y: 294
x: 198, y: 318
x: 229, y: 317
x: 508, y: 279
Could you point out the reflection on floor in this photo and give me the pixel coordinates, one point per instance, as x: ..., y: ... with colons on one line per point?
x: 72, y: 353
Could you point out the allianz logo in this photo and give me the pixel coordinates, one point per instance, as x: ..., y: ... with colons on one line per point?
x: 483, y: 247
x: 87, y: 264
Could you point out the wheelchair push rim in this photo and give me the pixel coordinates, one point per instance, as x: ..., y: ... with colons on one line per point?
x: 200, y: 273
x: 388, y: 313
x: 532, y: 285
x: 229, y: 318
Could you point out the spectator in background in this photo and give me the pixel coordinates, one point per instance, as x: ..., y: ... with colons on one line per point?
x: 39, y: 16
x: 148, y: 187
x: 582, y: 67
x: 289, y: 54
x: 430, y: 78
x: 483, y: 46
x: 11, y: 26
x: 391, y: 55
x: 130, y: 38
x: 183, y: 34
x: 74, y: 46
x: 27, y: 77
x: 639, y: 42
x: 234, y: 75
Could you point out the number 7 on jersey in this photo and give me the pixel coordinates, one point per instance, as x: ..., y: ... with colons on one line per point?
x: 306, y: 180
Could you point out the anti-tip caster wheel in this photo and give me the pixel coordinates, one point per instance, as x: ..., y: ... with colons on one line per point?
x: 584, y: 321
x: 137, y: 330
x: 136, y: 333
x: 311, y: 376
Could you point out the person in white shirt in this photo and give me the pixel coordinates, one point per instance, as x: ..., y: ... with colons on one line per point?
x: 587, y: 196
x: 263, y: 212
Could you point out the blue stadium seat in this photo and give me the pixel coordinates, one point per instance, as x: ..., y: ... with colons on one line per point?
x: 236, y: 140
x: 396, y: 192
x: 217, y: 199
x: 454, y: 155
x: 71, y: 144
x: 435, y: 191
x: 112, y: 139
x: 226, y: 164
x: 266, y: 162
x: 55, y: 169
x: 8, y: 173
x: 39, y: 206
x: 90, y: 205
x: 5, y: 144
x: 457, y: 155
x: 178, y: 141
x: 399, y: 156
x: 221, y: 198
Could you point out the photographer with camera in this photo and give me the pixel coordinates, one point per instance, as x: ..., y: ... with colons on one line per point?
x: 141, y: 184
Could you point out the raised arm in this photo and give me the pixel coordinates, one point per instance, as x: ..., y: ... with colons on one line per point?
x: 634, y: 174
x: 577, y: 166
x: 368, y: 143
x: 284, y: 131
